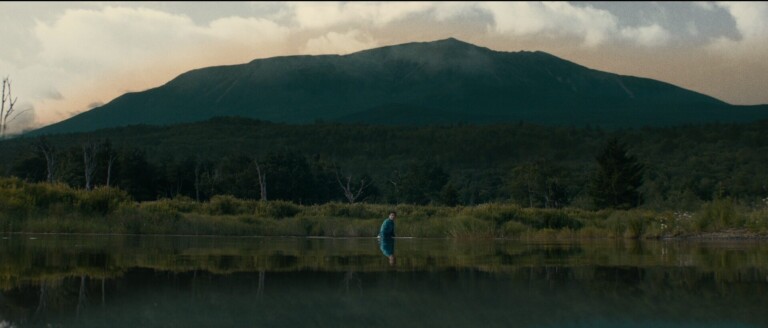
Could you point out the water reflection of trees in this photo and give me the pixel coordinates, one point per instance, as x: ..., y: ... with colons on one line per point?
x: 30, y: 262
x: 52, y: 276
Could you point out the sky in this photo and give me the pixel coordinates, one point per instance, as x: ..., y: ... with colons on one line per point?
x: 64, y: 58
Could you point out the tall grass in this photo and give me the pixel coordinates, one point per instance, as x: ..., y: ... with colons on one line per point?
x: 31, y: 207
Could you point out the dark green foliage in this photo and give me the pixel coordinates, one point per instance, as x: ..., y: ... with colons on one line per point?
x: 224, y: 205
x: 280, y: 209
x: 30, y: 167
x: 288, y: 177
x: 422, y: 183
x: 136, y: 175
x: 19, y: 199
x: 617, y: 178
x: 540, y: 184
x: 102, y: 201
x: 685, y: 166
x: 57, y: 208
x: 449, y: 196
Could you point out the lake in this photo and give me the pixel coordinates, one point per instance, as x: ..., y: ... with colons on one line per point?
x: 131, y: 281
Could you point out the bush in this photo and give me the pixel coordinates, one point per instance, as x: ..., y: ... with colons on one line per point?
x: 278, y: 209
x: 102, y: 201
x: 514, y: 229
x: 717, y: 215
x: 355, y: 211
x: 180, y: 204
x: 224, y: 205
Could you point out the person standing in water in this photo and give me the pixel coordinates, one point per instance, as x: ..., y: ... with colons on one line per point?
x: 388, y: 227
x: 386, y: 237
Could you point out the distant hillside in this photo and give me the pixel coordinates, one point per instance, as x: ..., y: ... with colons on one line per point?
x: 446, y: 81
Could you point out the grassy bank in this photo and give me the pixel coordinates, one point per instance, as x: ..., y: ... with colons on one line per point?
x: 46, y: 208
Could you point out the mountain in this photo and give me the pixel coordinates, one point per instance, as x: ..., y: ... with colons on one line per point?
x: 445, y: 81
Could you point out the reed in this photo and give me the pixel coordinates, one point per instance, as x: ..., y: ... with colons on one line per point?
x: 56, y: 208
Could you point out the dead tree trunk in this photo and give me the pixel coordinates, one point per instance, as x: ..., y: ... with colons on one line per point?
x: 110, y: 162
x: 81, y: 297
x: 7, y: 103
x: 262, y: 182
x: 260, y: 290
x: 41, y: 303
x: 349, y: 191
x: 89, y: 159
x: 103, y: 293
x: 198, y: 168
x: 50, y: 158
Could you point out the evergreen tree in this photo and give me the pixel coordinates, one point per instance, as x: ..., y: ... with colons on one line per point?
x: 423, y: 182
x: 617, y: 179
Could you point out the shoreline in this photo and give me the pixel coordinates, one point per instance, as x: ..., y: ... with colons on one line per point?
x: 718, y: 236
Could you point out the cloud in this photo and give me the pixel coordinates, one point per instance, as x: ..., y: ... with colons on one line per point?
x: 650, y: 36
x: 53, y: 94
x: 328, y: 14
x: 339, y: 43
x: 87, y: 53
x: 706, y: 5
x: 752, y: 24
x: 92, y: 39
x: 250, y: 29
x: 560, y: 20
x: 751, y: 18
x: 22, y: 119
x: 552, y: 19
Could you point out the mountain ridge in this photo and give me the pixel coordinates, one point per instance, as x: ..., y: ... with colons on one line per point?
x: 443, y: 76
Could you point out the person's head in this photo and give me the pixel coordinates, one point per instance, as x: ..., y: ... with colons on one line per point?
x: 392, y: 215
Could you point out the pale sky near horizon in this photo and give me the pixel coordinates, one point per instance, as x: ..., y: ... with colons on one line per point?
x: 66, y: 57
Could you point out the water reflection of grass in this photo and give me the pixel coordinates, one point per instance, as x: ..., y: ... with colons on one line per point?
x: 41, y: 208
x: 53, y: 258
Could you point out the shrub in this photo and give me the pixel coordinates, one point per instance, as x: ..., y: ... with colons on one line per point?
x: 102, y: 201
x: 224, y: 205
x: 279, y: 209
x: 719, y: 214
x: 514, y: 229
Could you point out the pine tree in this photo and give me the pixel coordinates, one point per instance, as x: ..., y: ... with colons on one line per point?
x: 617, y: 178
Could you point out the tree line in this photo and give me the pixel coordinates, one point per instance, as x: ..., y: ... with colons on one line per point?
x: 531, y: 165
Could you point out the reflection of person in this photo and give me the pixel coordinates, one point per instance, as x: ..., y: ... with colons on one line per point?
x: 386, y: 237
x: 387, y: 246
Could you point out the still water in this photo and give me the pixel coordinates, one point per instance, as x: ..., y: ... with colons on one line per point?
x: 128, y: 281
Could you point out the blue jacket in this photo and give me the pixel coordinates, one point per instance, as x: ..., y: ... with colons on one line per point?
x: 387, y: 229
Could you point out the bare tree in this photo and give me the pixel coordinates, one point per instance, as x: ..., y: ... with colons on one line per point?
x: 7, y: 107
x: 111, y: 157
x: 348, y: 188
x: 41, y: 303
x: 395, y: 179
x: 262, y: 181
x: 89, y: 159
x: 81, y: 297
x: 260, y: 290
x: 198, y: 170
x: 50, y: 157
x: 103, y: 293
